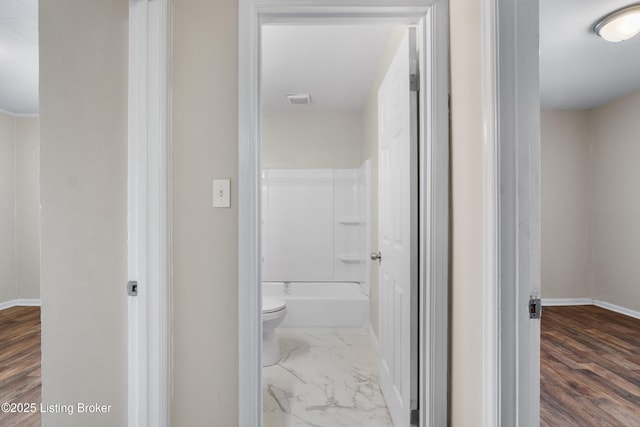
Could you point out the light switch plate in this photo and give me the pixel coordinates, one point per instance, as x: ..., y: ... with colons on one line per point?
x: 221, y: 193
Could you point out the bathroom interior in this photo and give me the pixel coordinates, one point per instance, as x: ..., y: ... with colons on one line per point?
x: 319, y: 222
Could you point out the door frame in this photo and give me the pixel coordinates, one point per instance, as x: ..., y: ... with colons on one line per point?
x: 433, y: 37
x: 511, y: 199
x: 149, y: 214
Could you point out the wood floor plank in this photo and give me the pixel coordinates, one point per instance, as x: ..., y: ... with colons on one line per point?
x: 20, y: 360
x: 589, y: 368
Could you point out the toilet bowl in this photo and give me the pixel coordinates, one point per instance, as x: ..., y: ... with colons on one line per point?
x: 273, y: 312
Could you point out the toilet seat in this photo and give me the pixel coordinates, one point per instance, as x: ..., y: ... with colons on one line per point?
x: 271, y: 305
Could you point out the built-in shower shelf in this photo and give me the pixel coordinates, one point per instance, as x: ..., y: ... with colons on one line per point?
x: 347, y: 259
x: 351, y: 221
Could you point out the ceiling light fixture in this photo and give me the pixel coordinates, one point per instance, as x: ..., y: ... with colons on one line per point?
x: 620, y: 25
x: 299, y: 98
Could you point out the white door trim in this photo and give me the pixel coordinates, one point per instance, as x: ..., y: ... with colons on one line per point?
x: 434, y: 204
x: 149, y: 221
x: 511, y: 197
x: 434, y: 217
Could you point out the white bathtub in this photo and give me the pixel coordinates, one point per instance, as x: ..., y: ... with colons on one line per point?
x: 321, y: 304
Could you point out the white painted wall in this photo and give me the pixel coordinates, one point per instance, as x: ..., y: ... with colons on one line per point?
x: 615, y: 131
x: 28, y: 207
x: 7, y: 209
x: 83, y: 182
x: 566, y: 243
x: 311, y: 140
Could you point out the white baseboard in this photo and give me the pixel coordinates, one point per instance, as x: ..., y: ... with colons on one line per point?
x: 20, y: 302
x: 566, y: 301
x: 588, y: 301
x: 617, y: 309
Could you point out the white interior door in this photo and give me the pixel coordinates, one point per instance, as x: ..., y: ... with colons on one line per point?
x: 398, y: 234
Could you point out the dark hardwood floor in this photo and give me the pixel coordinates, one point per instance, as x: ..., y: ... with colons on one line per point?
x: 20, y: 363
x: 589, y: 368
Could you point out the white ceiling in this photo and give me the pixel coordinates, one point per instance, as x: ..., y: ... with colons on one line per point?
x: 578, y: 69
x: 19, y: 56
x: 336, y: 64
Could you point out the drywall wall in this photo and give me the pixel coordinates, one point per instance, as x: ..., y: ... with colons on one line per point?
x: 7, y: 209
x: 589, y: 203
x: 83, y: 183
x: 616, y: 201
x: 311, y: 140
x: 19, y: 208
x: 370, y: 152
x: 466, y: 213
x: 27, y: 208
x: 566, y: 262
x: 204, y: 239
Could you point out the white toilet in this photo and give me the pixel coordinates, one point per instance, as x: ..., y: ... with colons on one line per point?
x: 273, y: 312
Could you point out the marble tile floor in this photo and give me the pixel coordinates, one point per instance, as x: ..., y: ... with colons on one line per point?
x: 324, y: 379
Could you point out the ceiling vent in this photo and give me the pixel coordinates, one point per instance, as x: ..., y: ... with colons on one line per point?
x: 299, y: 99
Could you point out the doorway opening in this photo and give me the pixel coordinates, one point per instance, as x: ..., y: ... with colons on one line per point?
x: 512, y: 179
x: 20, y: 295
x: 320, y: 205
x: 431, y: 205
x: 589, y: 328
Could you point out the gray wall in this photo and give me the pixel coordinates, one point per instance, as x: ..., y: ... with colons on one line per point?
x: 205, y: 240
x: 466, y: 212
x: 590, y: 203
x: 311, y: 140
x: 615, y: 130
x: 566, y: 200
x: 7, y: 208
x: 83, y: 182
x: 19, y: 208
x: 28, y: 207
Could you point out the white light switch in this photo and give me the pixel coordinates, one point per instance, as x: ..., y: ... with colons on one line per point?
x: 221, y: 193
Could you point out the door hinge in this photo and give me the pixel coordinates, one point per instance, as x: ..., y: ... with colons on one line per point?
x: 132, y: 288
x: 414, y: 83
x: 414, y: 417
x: 535, y: 308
